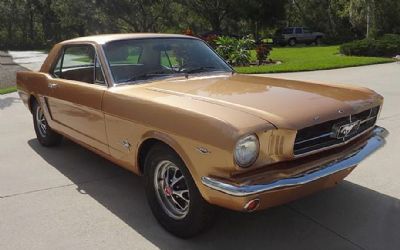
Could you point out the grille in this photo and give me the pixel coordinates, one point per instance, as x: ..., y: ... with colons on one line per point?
x: 322, y: 135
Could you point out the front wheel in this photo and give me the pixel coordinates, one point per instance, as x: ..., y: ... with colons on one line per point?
x: 45, y: 135
x: 292, y: 42
x: 172, y: 194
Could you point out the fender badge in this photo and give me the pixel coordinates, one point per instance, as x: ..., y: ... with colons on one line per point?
x: 202, y: 150
x: 126, y: 144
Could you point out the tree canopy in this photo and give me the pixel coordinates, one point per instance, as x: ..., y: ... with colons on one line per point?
x: 41, y: 23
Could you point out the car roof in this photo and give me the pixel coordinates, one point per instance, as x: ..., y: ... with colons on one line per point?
x: 103, y: 39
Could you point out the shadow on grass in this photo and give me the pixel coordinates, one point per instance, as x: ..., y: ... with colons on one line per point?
x: 346, y: 217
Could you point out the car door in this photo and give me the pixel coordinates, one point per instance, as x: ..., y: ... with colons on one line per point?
x: 308, y: 35
x: 75, y: 101
x: 299, y: 34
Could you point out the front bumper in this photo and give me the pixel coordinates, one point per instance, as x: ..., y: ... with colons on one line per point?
x: 323, y: 172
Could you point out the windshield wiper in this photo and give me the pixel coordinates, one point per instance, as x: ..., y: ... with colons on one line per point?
x: 150, y: 75
x: 201, y: 69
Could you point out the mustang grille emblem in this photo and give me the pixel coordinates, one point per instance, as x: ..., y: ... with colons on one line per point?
x: 341, y: 131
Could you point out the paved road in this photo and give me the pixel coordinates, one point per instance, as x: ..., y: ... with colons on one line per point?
x: 8, y: 69
x: 69, y: 198
x: 31, y: 60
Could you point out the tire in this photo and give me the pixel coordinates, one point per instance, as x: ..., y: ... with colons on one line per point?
x: 184, y: 215
x: 292, y: 42
x: 45, y: 135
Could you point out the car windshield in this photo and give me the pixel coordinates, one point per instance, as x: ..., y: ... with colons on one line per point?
x: 144, y: 59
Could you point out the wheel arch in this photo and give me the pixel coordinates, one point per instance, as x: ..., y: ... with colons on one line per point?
x: 31, y: 100
x: 154, y: 137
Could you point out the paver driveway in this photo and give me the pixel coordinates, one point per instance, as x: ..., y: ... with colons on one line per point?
x: 70, y: 198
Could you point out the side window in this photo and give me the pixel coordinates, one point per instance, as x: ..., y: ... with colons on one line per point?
x: 288, y: 31
x: 299, y: 31
x: 79, y: 63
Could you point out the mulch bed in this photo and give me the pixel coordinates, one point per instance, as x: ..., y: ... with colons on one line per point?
x: 8, y: 70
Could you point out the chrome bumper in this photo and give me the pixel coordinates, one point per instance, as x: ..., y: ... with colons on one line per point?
x: 376, y: 141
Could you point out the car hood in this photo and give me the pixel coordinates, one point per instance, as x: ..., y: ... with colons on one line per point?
x: 284, y: 103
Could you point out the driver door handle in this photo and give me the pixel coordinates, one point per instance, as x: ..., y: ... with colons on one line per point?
x: 52, y: 85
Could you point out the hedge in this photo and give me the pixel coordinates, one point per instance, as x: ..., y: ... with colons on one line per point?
x: 387, y: 46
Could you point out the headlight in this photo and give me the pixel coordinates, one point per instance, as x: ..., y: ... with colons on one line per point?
x: 246, y: 150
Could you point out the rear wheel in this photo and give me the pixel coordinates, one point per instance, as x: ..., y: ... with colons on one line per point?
x: 172, y: 194
x: 45, y: 135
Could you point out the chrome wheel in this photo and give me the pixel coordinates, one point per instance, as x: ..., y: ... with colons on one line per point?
x: 171, y: 189
x: 41, y: 122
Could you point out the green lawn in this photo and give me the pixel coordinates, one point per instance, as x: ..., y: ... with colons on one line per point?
x: 7, y: 90
x: 309, y: 58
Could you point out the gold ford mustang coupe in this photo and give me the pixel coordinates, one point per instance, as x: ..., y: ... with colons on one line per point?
x: 169, y: 108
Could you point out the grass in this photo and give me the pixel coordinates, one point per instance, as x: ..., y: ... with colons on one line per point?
x: 7, y: 90
x: 309, y: 58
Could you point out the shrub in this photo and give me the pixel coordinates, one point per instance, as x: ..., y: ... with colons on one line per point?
x: 262, y: 51
x: 387, y: 45
x: 235, y: 51
x: 211, y: 40
x: 225, y: 46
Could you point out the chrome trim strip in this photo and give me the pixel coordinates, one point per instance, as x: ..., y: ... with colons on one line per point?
x: 375, y: 142
x: 368, y: 119
x: 314, y: 138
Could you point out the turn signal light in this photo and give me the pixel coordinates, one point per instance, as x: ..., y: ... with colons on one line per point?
x: 252, y: 205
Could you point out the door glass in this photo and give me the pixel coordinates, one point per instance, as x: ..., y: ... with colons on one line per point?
x: 299, y: 30
x: 78, y: 64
